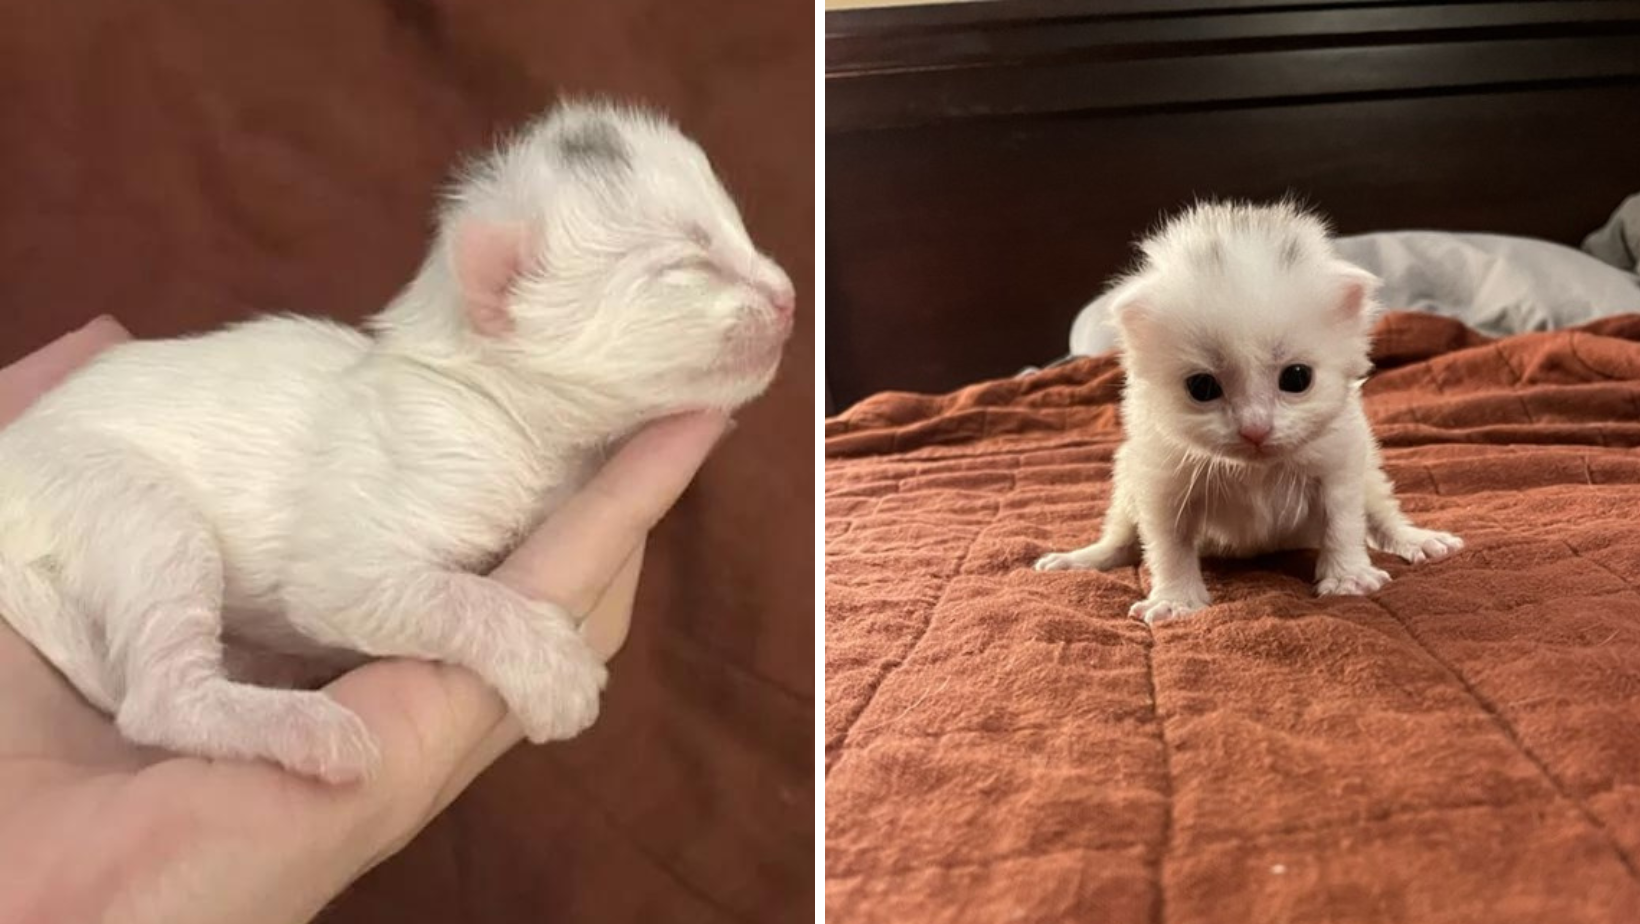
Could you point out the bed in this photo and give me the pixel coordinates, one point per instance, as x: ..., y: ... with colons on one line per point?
x: 1002, y: 744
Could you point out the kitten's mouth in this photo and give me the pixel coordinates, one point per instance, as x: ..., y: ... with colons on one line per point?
x: 1254, y: 452
x: 757, y: 349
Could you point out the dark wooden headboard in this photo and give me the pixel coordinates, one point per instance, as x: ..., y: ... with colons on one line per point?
x: 988, y: 164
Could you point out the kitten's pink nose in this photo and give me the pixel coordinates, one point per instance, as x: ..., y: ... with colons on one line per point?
x: 782, y: 297
x: 1255, y: 433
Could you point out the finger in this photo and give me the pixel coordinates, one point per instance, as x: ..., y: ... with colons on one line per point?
x: 471, y: 728
x: 439, y: 726
x: 35, y: 374
x: 571, y: 558
x: 606, y: 625
x: 605, y: 629
x: 426, y: 716
x: 443, y: 713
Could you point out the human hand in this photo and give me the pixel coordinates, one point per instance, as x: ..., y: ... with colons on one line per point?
x: 94, y: 828
x: 35, y: 374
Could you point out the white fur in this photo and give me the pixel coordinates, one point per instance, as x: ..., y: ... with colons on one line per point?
x: 1241, y: 292
x: 307, y: 488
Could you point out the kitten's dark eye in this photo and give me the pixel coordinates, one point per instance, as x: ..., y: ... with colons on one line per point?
x: 1295, y: 379
x: 1203, y: 387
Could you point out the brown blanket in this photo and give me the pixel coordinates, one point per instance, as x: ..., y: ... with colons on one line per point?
x: 1004, y: 745
x: 185, y: 163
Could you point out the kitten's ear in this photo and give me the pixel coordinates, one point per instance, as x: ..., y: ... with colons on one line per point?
x: 489, y: 256
x: 1357, y: 293
x: 1130, y: 314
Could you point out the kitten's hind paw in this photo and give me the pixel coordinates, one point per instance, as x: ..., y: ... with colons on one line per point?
x: 1153, y: 610
x: 1416, y: 546
x: 304, y: 731
x: 1350, y: 581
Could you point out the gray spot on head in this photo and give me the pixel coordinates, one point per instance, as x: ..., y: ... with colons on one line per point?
x: 1291, y: 250
x: 593, y: 144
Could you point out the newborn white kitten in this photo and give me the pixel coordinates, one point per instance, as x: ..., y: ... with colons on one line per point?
x: 1245, y: 340
x: 308, y: 488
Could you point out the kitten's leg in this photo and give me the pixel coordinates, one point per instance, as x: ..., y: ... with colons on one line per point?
x: 179, y: 698
x: 1176, y: 585
x: 62, y: 634
x: 532, y: 653
x: 1388, y: 529
x: 1118, y: 545
x: 148, y: 564
x: 1343, y: 566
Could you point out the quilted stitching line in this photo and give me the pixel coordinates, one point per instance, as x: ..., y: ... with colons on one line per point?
x: 1264, y: 838
x: 871, y: 695
x: 1013, y: 448
x: 1513, y: 737
x: 1020, y: 856
x: 1253, y: 838
x: 1571, y: 345
x: 1514, y: 387
x: 1503, y: 357
x: 1429, y: 373
x: 1159, y: 912
x: 1580, y: 556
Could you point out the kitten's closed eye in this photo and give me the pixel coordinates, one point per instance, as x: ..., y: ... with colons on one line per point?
x: 694, y: 264
x: 687, y: 271
x: 1203, y: 388
x: 1295, y: 379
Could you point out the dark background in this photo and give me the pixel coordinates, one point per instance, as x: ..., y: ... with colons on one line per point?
x: 182, y: 164
x: 989, y: 164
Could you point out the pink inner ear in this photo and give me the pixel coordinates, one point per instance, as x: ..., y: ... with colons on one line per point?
x: 1358, y: 287
x: 1132, y: 317
x: 1355, y: 296
x: 488, y: 259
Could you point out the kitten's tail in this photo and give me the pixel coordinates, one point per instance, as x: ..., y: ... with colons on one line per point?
x: 29, y: 601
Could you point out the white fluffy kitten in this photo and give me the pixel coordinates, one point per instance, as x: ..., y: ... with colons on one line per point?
x: 1245, y: 340
x: 308, y: 488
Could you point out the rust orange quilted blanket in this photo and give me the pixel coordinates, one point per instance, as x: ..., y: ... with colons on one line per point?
x: 1004, y: 745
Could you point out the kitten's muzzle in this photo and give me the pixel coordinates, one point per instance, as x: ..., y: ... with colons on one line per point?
x: 757, y: 343
x: 782, y: 298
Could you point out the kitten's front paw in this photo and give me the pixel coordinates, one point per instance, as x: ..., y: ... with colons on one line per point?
x: 1156, y: 609
x: 1416, y: 546
x: 1350, y: 581
x: 555, y: 689
x: 1096, y: 557
x: 1064, y: 561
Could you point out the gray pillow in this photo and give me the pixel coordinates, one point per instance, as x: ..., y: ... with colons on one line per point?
x: 1496, y: 284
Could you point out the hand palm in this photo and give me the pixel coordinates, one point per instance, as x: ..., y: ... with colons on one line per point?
x: 181, y: 828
